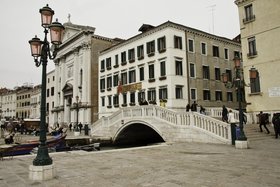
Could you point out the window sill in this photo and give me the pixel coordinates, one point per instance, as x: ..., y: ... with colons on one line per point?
x: 152, y: 80
x: 103, y: 90
x: 116, y: 106
x: 109, y: 89
x: 252, y: 55
x: 132, y: 104
x: 115, y: 66
x: 131, y: 60
x: 109, y: 106
x: 140, y: 57
x: 151, y: 54
x: 102, y: 70
x: 162, y: 78
x: 124, y: 105
x: 123, y: 63
x: 162, y: 50
x: 255, y: 93
x: 109, y: 68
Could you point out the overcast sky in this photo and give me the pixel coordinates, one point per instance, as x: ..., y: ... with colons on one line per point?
x: 20, y: 21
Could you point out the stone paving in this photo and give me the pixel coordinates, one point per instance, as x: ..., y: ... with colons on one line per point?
x: 165, y: 165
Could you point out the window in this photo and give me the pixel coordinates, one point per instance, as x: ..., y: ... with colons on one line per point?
x: 116, y: 100
x: 48, y: 92
x: 226, y: 53
x: 255, y: 84
x: 116, y: 60
x: 228, y: 72
x: 141, y: 73
x: 162, y: 69
x: 152, y: 94
x: 131, y: 55
x: 203, y: 49
x: 123, y: 57
x: 179, y: 92
x: 161, y: 44
x: 229, y: 96
x: 192, y: 70
x: 151, y: 71
x: 109, y: 100
x: 132, y: 76
x: 102, y: 84
x: 81, y: 78
x: 215, y: 51
x: 252, y: 47
x: 124, y: 78
x: 191, y: 45
x: 124, y: 99
x: 132, y: 98
x: 219, y: 96
x: 179, y: 67
x: 217, y: 74
x: 206, y: 95
x: 102, y: 101
x: 140, y: 52
x: 193, y: 94
x: 109, y: 82
x: 151, y: 48
x: 53, y: 78
x: 52, y: 91
x: 102, y: 65
x: 116, y: 79
x: 141, y: 96
x: 163, y: 93
x: 177, y: 42
x: 206, y: 72
x: 249, y: 16
x: 108, y: 63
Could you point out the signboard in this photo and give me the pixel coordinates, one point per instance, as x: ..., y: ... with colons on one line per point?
x: 274, y: 92
x: 130, y: 87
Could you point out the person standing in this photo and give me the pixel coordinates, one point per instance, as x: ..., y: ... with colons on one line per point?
x: 188, y: 107
x: 276, y: 124
x: 263, y: 119
x: 70, y: 126
x: 231, y: 117
x: 224, y: 114
x: 194, y: 107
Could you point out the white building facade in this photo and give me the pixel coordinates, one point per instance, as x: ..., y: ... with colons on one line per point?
x: 9, y: 104
x: 76, y: 75
x: 35, y: 102
x: 169, y: 65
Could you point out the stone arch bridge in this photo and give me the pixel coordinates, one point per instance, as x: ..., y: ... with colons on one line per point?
x: 143, y: 123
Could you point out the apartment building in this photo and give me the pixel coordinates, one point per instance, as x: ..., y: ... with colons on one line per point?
x: 169, y: 65
x: 35, y: 102
x: 260, y: 29
x: 23, y: 99
x: 50, y: 97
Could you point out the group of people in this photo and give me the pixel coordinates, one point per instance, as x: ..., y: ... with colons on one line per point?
x: 195, y: 108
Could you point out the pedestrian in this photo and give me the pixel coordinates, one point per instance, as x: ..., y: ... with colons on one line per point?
x: 80, y: 127
x: 194, y: 107
x: 276, y: 124
x: 202, y: 110
x: 188, y: 107
x: 224, y: 114
x: 230, y: 117
x: 263, y: 119
x: 70, y: 126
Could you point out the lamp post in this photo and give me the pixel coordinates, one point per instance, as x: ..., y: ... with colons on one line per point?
x: 77, y: 106
x: 41, y: 49
x: 237, y: 82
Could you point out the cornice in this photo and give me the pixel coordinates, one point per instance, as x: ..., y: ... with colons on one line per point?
x: 170, y: 24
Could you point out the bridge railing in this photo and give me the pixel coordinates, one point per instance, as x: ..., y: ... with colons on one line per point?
x: 196, y: 120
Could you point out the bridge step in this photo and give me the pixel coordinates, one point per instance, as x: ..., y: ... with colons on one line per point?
x: 253, y: 133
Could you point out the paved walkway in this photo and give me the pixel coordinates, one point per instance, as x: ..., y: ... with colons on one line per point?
x: 173, y: 165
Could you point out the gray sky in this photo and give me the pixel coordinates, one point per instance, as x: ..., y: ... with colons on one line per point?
x: 20, y: 22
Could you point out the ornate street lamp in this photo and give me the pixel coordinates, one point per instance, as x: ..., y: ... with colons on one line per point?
x: 237, y: 82
x: 41, y: 49
x: 77, y: 106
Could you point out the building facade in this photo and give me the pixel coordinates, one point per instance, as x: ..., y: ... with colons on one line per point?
x: 259, y: 26
x: 23, y: 100
x: 50, y: 97
x: 169, y: 65
x: 8, y: 104
x: 76, y: 75
x: 35, y: 102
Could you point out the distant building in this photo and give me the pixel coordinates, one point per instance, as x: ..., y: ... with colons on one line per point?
x: 8, y: 104
x: 23, y: 99
x: 76, y: 75
x: 35, y: 102
x: 170, y: 63
x: 259, y: 26
x: 50, y: 97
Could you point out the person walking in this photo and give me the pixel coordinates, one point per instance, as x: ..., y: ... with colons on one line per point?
x: 263, y: 119
x: 224, y: 114
x: 276, y: 124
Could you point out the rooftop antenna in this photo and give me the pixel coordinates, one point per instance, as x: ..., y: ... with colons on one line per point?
x: 212, y: 9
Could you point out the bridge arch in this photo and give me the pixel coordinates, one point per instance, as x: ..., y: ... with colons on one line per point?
x: 137, y: 132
